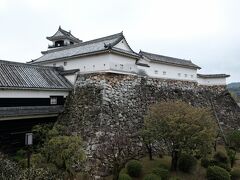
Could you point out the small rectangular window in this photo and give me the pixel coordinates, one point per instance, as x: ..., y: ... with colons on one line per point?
x: 64, y: 63
x: 53, y: 100
x: 121, y: 66
x: 179, y: 74
x: 185, y: 75
x: 156, y: 71
x: 164, y: 72
x: 54, y: 64
x: 191, y: 76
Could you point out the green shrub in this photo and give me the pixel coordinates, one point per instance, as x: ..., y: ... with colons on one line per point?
x: 204, y: 162
x: 217, y: 173
x: 124, y: 177
x: 221, y: 156
x: 134, y: 168
x: 175, y: 178
x: 8, y: 168
x: 152, y: 177
x: 219, y: 164
x: 235, y: 174
x: 186, y: 163
x: 232, y: 156
x: 165, y: 164
x: 161, y: 172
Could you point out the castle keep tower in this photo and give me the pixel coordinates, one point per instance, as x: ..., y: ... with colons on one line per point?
x: 62, y: 38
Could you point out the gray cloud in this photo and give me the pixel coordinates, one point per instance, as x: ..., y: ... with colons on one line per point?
x: 205, y: 31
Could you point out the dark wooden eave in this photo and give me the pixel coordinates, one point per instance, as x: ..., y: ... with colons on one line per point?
x: 213, y: 75
x: 11, y: 113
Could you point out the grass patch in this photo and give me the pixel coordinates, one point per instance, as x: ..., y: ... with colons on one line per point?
x: 198, y: 174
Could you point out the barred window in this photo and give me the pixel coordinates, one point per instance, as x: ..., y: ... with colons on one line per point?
x: 53, y: 100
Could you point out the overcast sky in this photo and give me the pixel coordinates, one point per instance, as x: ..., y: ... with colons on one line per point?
x: 205, y: 31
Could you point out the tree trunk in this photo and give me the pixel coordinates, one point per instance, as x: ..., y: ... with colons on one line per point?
x: 149, y: 149
x: 215, y: 146
x: 232, y: 163
x: 174, y: 160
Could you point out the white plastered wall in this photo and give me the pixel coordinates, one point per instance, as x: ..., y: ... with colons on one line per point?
x: 84, y: 64
x: 123, y: 45
x: 211, y: 81
x: 71, y: 78
x: 165, y: 71
x: 97, y: 63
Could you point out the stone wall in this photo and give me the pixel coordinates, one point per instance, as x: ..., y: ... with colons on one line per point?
x: 103, y: 103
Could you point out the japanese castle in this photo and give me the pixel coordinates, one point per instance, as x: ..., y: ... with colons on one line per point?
x: 38, y: 88
x: 113, y: 54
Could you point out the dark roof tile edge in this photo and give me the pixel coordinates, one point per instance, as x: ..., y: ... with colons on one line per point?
x: 213, y: 75
x: 67, y: 72
x: 193, y: 65
x: 25, y: 64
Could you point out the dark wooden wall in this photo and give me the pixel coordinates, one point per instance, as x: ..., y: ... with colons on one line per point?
x: 12, y: 132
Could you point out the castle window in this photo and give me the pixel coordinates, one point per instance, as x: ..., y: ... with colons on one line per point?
x: 191, y: 76
x: 94, y: 66
x: 104, y: 64
x: 115, y: 65
x: 164, y: 72
x: 54, y: 64
x: 156, y: 71
x: 121, y: 66
x: 59, y: 43
x: 185, y: 75
x: 64, y: 63
x: 179, y: 74
x: 53, y: 100
x: 84, y: 67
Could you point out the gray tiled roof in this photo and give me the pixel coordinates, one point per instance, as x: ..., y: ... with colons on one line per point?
x: 19, y: 75
x: 85, y: 48
x: 213, y: 75
x: 168, y: 60
x: 61, y: 33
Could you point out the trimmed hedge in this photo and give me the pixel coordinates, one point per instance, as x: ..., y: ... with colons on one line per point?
x: 205, y: 162
x: 235, y: 174
x: 221, y: 156
x: 161, y: 172
x: 219, y: 164
x: 186, y: 163
x: 217, y: 173
x: 175, y: 178
x: 152, y: 177
x: 134, y: 168
x: 124, y: 177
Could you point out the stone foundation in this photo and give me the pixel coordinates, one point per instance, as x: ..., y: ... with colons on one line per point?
x: 103, y: 103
